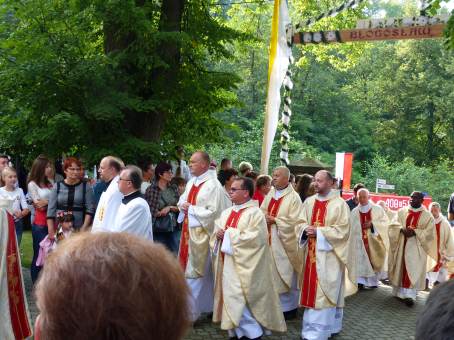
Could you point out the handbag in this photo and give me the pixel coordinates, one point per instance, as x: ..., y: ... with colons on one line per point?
x: 165, y: 224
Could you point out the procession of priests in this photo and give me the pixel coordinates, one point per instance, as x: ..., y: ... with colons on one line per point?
x: 252, y: 266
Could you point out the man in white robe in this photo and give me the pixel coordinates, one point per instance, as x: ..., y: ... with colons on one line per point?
x: 412, y: 238
x: 14, y: 315
x: 133, y: 215
x: 109, y: 169
x: 439, y: 271
x: 370, y: 224
x: 200, y: 205
x: 328, y: 255
x: 242, y: 258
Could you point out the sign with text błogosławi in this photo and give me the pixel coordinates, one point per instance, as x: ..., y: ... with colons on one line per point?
x: 378, y: 29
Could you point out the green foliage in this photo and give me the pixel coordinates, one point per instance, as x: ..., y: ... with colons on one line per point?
x: 90, y: 76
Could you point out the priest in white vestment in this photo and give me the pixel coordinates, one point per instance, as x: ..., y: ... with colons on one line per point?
x: 200, y: 205
x: 246, y: 302
x: 283, y: 211
x: 370, y: 224
x: 133, y: 215
x: 328, y: 253
x: 440, y: 270
x: 109, y: 169
x: 14, y: 315
x: 412, y: 238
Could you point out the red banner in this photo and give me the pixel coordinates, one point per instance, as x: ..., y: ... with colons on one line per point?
x: 393, y: 202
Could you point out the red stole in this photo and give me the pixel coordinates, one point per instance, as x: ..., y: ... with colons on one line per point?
x: 183, y: 253
x: 17, y: 308
x: 364, y: 217
x: 232, y: 222
x: 273, y: 209
x: 310, y: 279
x: 411, y: 222
x: 439, y: 263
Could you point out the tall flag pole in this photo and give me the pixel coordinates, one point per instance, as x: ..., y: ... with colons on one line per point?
x: 279, y: 59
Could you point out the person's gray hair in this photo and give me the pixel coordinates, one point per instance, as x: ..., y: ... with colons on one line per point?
x: 363, y: 190
x: 285, y: 169
x: 135, y: 175
x: 434, y: 204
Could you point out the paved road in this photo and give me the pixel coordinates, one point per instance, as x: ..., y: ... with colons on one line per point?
x: 372, y: 314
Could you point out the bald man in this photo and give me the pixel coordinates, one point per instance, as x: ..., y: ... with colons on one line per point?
x: 327, y: 250
x: 200, y: 205
x: 283, y: 212
x: 370, y: 225
x: 110, y: 200
x: 411, y: 239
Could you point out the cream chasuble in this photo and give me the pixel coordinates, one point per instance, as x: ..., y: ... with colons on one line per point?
x: 206, y: 196
x: 408, y: 256
x: 286, y: 207
x: 326, y: 258
x: 14, y: 315
x: 242, y: 263
x: 372, y: 243
x: 441, y: 269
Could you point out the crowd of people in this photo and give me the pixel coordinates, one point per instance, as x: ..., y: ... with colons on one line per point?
x: 253, y: 248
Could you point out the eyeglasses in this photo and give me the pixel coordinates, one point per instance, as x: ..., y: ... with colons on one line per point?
x: 73, y: 169
x: 235, y: 189
x: 123, y: 179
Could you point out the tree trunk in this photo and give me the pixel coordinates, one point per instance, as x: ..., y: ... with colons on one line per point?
x: 162, y: 82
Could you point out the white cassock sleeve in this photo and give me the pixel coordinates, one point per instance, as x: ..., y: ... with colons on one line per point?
x: 322, y: 243
x: 134, y: 220
x: 226, y: 244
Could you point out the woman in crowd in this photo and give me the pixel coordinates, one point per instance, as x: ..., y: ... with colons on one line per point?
x: 72, y: 194
x: 305, y: 186
x: 88, y: 291
x: 162, y: 199
x: 262, y: 188
x: 39, y: 188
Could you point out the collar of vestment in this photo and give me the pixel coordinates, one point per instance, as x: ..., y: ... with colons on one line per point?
x: 250, y: 203
x: 202, y: 178
x: 131, y: 196
x: 421, y: 208
x: 439, y: 219
x: 330, y: 195
x: 364, y: 208
x: 282, y: 192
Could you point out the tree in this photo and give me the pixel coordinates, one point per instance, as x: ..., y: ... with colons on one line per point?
x: 97, y: 77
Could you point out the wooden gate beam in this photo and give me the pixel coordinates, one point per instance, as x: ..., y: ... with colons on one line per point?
x: 372, y: 34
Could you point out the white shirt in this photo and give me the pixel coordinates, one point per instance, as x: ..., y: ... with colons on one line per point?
x: 18, y: 198
x: 185, y: 173
x: 134, y: 217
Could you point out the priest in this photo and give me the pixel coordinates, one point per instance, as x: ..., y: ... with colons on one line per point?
x: 412, y: 238
x: 328, y: 253
x: 14, y: 314
x: 370, y: 224
x: 442, y: 268
x: 133, y: 215
x: 246, y: 302
x: 200, y: 205
x: 109, y: 170
x: 283, y: 212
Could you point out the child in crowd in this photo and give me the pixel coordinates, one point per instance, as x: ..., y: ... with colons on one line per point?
x: 65, y: 228
x: 65, y: 220
x: 12, y: 192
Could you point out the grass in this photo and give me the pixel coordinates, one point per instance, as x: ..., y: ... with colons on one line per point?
x: 26, y: 249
